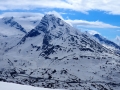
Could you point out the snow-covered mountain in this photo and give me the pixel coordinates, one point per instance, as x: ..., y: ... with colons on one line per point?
x: 10, y: 27
x: 106, y: 42
x: 27, y: 22
x: 46, y: 35
x: 14, y: 25
x: 56, y: 55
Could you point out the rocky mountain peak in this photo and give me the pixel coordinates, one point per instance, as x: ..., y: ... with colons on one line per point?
x: 50, y: 26
x: 48, y: 23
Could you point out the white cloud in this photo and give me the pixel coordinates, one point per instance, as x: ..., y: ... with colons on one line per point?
x: 55, y: 13
x: 29, y: 15
x: 93, y: 32
x: 109, y: 6
x: 90, y: 24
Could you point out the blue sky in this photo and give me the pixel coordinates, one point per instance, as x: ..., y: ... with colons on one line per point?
x: 102, y: 16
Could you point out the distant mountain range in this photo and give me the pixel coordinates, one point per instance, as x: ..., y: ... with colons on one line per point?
x: 57, y: 55
x: 107, y: 42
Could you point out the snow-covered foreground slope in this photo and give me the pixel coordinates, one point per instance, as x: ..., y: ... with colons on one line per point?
x: 12, y: 86
x: 56, y: 55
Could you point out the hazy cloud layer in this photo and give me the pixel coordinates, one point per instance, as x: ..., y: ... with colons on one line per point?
x: 109, y: 6
x: 93, y: 32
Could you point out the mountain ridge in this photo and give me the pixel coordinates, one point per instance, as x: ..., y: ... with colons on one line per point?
x: 9, y: 21
x: 104, y: 40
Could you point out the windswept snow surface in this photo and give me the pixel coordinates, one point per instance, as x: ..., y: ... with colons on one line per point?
x: 12, y: 86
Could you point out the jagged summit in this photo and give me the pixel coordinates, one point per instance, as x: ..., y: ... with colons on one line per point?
x: 51, y: 25
x: 49, y: 22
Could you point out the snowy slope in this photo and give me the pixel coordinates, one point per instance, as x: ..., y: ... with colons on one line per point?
x: 7, y: 42
x: 11, y: 86
x: 56, y: 55
x: 12, y: 29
